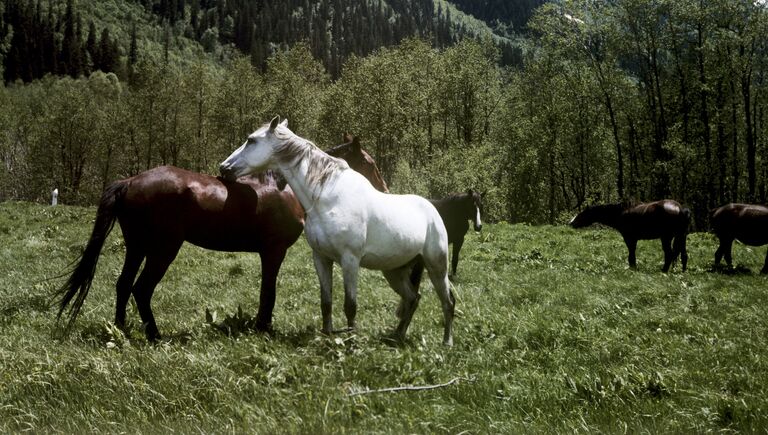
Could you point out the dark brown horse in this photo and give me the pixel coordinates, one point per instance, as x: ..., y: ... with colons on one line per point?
x: 457, y: 210
x: 161, y: 208
x: 359, y: 160
x: 746, y: 223
x: 666, y: 220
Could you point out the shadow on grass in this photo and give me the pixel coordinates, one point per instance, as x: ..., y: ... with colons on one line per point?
x: 739, y: 270
x: 105, y: 333
x: 243, y: 323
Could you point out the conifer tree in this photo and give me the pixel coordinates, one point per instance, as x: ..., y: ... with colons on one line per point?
x: 92, y: 49
x: 68, y: 56
x: 133, y: 50
x: 108, y: 54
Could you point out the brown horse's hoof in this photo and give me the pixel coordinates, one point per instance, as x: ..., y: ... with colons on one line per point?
x: 264, y: 327
x: 152, y: 333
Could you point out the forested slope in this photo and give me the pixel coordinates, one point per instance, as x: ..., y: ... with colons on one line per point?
x: 627, y: 100
x: 78, y: 37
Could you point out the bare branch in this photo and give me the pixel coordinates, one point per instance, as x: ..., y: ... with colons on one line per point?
x: 405, y: 388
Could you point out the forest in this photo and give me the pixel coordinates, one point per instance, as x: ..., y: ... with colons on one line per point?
x: 627, y: 100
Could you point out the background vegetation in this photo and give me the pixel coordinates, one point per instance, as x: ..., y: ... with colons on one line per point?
x: 560, y: 337
x: 607, y: 101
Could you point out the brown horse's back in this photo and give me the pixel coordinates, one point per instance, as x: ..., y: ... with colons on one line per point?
x: 169, y: 203
x: 657, y: 219
x: 747, y: 223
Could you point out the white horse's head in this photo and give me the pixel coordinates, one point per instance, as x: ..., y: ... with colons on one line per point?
x: 256, y: 154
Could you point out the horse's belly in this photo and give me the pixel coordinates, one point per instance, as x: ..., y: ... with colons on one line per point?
x: 753, y: 239
x: 378, y: 261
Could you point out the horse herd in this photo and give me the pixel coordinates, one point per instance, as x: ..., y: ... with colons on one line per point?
x: 348, y: 217
x: 668, y: 220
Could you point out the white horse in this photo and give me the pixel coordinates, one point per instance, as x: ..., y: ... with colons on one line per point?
x: 351, y: 223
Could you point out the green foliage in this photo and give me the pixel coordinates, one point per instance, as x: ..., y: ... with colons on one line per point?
x: 553, y: 333
x: 296, y: 82
x: 628, y: 100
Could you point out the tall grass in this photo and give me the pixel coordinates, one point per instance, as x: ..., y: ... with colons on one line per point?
x: 554, y: 334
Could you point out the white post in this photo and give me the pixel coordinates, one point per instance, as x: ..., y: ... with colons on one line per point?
x: 55, y: 197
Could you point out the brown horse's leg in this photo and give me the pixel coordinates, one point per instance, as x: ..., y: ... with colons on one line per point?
x: 133, y: 259
x: 765, y: 266
x: 719, y: 252
x: 156, y: 265
x: 631, y: 247
x: 729, y: 253
x: 270, y: 267
x: 680, y: 242
x: 455, y: 255
x: 666, y: 245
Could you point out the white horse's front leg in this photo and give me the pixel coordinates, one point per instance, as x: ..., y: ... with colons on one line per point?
x: 350, y: 266
x: 324, y: 269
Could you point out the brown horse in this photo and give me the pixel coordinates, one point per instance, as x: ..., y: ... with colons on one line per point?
x: 161, y: 208
x: 457, y: 209
x: 359, y: 160
x: 746, y: 223
x: 666, y: 220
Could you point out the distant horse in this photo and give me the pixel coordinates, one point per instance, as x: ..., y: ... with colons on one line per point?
x: 161, y: 208
x: 351, y: 223
x: 666, y: 220
x: 457, y: 210
x: 746, y: 223
x: 359, y: 160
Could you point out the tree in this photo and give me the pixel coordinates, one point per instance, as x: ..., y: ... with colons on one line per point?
x: 297, y: 81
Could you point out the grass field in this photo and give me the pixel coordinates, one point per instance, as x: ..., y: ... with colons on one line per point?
x: 553, y: 334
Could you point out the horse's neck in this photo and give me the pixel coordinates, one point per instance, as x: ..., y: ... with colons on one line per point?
x: 297, y: 176
x: 611, y: 218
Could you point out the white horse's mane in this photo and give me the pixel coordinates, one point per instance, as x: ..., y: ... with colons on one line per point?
x: 292, y: 149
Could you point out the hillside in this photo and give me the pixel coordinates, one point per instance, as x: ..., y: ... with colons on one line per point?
x: 505, y: 17
x: 77, y: 37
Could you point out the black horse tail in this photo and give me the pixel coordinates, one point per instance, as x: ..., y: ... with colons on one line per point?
x: 81, y: 277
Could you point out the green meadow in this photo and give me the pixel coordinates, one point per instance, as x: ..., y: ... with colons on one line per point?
x: 553, y: 334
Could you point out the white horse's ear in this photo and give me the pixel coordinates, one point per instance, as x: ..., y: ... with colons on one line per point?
x: 284, y: 123
x: 274, y: 122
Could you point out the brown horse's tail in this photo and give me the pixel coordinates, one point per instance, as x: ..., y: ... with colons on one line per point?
x: 682, y: 235
x: 687, y: 218
x: 416, y: 272
x: 81, y: 277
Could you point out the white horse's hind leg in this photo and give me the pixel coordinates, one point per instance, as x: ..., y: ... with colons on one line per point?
x: 438, y: 274
x: 399, y: 280
x: 324, y: 269
x: 350, y: 268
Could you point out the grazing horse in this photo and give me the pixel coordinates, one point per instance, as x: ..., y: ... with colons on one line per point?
x: 457, y: 210
x: 356, y: 157
x: 746, y: 223
x: 351, y: 223
x: 161, y: 208
x: 666, y: 220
